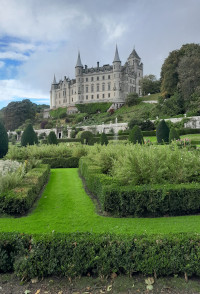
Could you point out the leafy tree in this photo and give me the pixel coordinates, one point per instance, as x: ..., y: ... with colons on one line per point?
x: 149, y: 84
x: 147, y: 125
x: 133, y: 122
x: 173, y: 135
x: 52, y: 139
x: 103, y: 139
x: 87, y: 138
x: 29, y: 137
x: 135, y: 135
x: 171, y: 106
x: 3, y: 141
x: 132, y: 99
x: 162, y: 132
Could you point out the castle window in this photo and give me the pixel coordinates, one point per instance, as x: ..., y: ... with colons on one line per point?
x: 103, y: 78
x: 92, y: 97
x: 114, y: 66
x: 72, y: 91
x: 92, y: 88
x: 86, y: 79
x: 103, y: 87
x: 79, y: 79
x: 86, y: 89
x: 103, y: 95
x: 97, y: 87
x: 86, y: 97
x: 72, y: 100
x: 59, y: 95
x: 108, y: 95
x: 92, y: 79
x: 108, y: 86
x: 139, y: 74
x: 97, y: 78
x: 109, y: 77
x: 97, y: 96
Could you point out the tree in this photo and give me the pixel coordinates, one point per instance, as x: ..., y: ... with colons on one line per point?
x: 173, y: 135
x: 135, y: 135
x: 103, y: 139
x: 29, y: 137
x: 132, y: 99
x: 52, y: 139
x: 87, y: 138
x: 134, y: 122
x: 3, y: 141
x: 162, y: 132
x: 149, y: 84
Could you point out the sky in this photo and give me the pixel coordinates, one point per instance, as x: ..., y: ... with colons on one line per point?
x: 40, y: 38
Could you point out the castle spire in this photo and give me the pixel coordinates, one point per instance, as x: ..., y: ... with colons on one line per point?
x: 116, y: 58
x: 54, y: 79
x: 79, y: 60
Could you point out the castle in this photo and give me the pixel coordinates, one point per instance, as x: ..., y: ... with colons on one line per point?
x: 107, y: 83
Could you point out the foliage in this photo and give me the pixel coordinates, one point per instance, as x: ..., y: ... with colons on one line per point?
x: 147, y: 125
x: 3, y: 141
x: 20, y: 199
x: 87, y: 138
x: 173, y: 135
x: 103, y: 139
x: 58, y: 113
x: 52, y: 139
x: 43, y: 124
x: 135, y: 135
x: 58, y: 162
x: 171, y: 106
x: 162, y: 132
x: 91, y: 108
x: 149, y: 84
x: 132, y: 99
x: 29, y: 137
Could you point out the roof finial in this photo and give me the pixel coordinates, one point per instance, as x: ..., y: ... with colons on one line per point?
x: 79, y: 60
x: 116, y: 58
x: 54, y: 79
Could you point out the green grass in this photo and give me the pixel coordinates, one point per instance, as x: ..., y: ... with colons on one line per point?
x: 65, y: 207
x: 195, y: 137
x: 151, y: 97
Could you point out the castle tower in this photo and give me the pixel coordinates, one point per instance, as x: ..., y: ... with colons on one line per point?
x: 79, y: 73
x: 53, y: 93
x: 135, y: 65
x: 117, y: 77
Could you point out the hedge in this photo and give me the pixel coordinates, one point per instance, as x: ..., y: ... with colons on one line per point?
x: 56, y: 162
x: 75, y: 254
x: 20, y: 199
x: 149, y: 133
x: 68, y: 140
x: 140, y: 201
x: 92, y: 108
x: 187, y: 131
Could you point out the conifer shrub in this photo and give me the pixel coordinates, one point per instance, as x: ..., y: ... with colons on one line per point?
x: 173, y: 135
x: 87, y: 138
x: 162, y: 132
x: 29, y: 137
x: 52, y: 139
x: 104, y: 139
x: 3, y: 141
x: 135, y: 135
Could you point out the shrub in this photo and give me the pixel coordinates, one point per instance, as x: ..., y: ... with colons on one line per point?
x: 162, y: 132
x: 3, y: 141
x: 43, y: 124
x: 132, y: 99
x: 133, y: 122
x: 173, y: 135
x: 147, y: 125
x: 87, y: 138
x: 135, y: 136
x: 91, y: 108
x: 103, y: 139
x: 52, y: 139
x: 60, y: 162
x: 29, y: 137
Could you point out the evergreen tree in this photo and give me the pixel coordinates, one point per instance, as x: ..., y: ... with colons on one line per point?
x: 103, y: 139
x: 52, y: 139
x: 87, y: 138
x: 173, y: 135
x: 3, y: 141
x: 162, y: 132
x: 135, y: 135
x: 28, y: 136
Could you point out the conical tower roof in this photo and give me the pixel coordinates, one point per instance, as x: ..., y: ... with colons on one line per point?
x: 134, y: 54
x: 54, y: 80
x: 79, y: 60
x: 116, y: 58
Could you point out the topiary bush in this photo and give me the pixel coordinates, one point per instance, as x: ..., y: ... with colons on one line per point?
x: 52, y: 139
x: 162, y: 132
x: 104, y: 139
x: 135, y: 136
x: 173, y: 135
x: 87, y: 138
x: 3, y: 141
x: 29, y: 137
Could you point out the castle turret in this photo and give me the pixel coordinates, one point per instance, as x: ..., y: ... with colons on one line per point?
x: 79, y: 73
x: 134, y: 62
x: 117, y: 77
x: 53, y: 94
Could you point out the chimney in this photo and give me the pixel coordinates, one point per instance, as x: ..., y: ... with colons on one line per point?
x: 98, y: 64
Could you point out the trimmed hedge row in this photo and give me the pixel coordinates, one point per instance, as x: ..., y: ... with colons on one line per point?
x: 63, y: 162
x: 140, y: 201
x: 20, y: 199
x: 187, y: 131
x: 76, y: 254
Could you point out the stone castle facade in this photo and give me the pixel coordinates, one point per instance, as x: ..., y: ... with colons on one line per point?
x: 107, y: 83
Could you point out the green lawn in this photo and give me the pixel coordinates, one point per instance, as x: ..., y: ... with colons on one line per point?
x: 65, y: 207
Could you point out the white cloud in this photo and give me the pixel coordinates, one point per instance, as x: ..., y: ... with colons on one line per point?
x: 13, y: 56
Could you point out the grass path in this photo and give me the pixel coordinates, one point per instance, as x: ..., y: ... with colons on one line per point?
x: 65, y: 207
